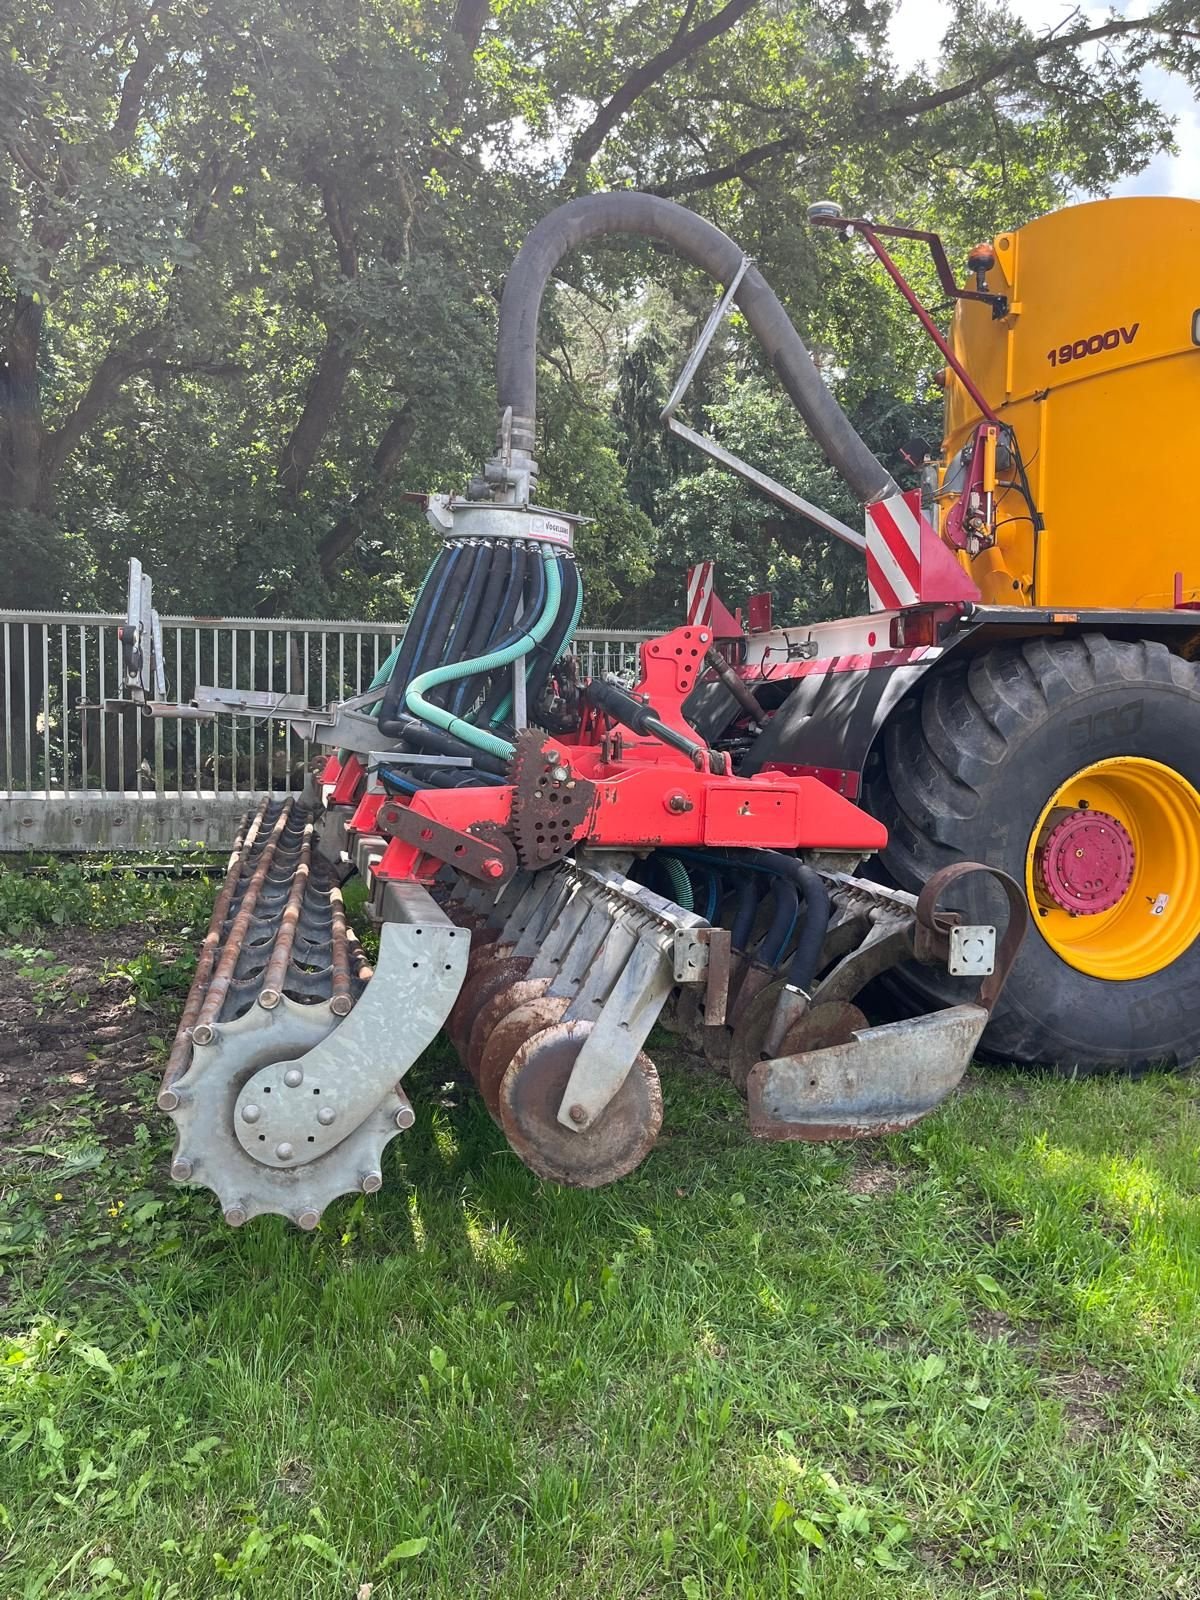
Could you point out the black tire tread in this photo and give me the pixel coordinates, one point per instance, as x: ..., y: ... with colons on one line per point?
x: 948, y: 738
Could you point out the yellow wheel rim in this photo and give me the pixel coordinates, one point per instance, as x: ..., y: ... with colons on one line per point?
x: 1113, y: 868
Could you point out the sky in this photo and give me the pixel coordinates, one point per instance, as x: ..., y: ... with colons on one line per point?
x: 918, y: 24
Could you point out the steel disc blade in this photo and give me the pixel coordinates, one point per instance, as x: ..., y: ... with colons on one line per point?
x: 478, y: 988
x: 530, y: 1095
x: 833, y: 1022
x: 494, y: 1010
x: 507, y: 1037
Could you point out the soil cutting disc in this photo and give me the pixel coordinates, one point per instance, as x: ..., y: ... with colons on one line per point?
x: 531, y: 1093
x: 828, y: 1023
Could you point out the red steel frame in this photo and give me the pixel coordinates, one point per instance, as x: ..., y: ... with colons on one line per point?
x: 647, y: 793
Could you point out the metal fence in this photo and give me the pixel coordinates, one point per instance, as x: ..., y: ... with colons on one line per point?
x: 75, y: 776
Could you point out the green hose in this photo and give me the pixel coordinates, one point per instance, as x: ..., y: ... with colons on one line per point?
x: 385, y: 671
x: 505, y: 706
x: 466, y: 731
x: 681, y: 884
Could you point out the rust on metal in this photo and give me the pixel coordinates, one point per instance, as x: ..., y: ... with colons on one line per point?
x: 932, y: 936
x: 494, y: 1010
x: 484, y: 857
x: 181, y: 1049
x: 877, y: 1081
x: 490, y: 976
x: 507, y: 1037
x: 550, y: 804
x: 340, y: 1000
x: 285, y: 937
x: 219, y: 986
x: 612, y: 1146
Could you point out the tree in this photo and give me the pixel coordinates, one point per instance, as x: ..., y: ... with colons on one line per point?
x: 249, y: 255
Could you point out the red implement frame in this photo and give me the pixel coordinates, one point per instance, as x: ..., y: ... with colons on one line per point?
x: 647, y: 793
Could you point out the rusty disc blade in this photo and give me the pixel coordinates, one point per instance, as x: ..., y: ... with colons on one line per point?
x: 478, y: 988
x: 717, y: 1045
x: 832, y: 1022
x: 717, y: 1041
x: 531, y: 1092
x: 494, y: 1010
x: 507, y: 1037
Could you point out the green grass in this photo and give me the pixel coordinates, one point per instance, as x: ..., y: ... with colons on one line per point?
x: 960, y: 1362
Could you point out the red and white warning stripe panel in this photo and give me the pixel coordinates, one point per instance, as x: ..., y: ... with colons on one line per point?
x: 893, y: 554
x: 700, y: 594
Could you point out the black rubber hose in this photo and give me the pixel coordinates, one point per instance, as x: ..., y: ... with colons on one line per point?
x: 555, y: 642
x: 500, y: 627
x: 817, y: 911
x: 414, y: 632
x: 420, y: 736
x: 745, y: 913
x: 432, y: 650
x: 774, y: 943
x: 533, y: 597
x: 462, y: 778
x: 652, y: 217
x: 498, y: 576
x: 510, y: 601
x: 455, y: 648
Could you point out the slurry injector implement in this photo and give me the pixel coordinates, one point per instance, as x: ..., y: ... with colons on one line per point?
x: 554, y: 865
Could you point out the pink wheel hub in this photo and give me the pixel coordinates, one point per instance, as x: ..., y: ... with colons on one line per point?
x: 1086, y: 862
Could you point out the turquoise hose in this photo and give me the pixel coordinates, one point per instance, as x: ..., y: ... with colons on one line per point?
x: 385, y: 671
x: 505, y: 705
x: 681, y: 885
x: 466, y: 731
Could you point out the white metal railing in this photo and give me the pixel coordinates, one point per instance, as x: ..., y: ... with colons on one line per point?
x: 57, y: 667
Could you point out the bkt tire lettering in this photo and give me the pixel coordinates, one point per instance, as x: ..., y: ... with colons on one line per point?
x: 1120, y: 722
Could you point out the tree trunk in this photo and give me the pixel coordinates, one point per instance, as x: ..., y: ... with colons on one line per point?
x: 388, y: 455
x: 321, y: 401
x: 20, y: 454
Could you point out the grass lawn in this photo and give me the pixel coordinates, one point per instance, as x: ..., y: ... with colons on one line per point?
x: 957, y: 1362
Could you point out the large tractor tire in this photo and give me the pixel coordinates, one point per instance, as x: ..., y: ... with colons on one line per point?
x: 1074, y: 764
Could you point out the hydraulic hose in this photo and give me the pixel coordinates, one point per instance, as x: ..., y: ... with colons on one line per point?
x: 652, y: 217
x: 544, y: 657
x: 744, y: 914
x: 499, y: 577
x: 817, y: 910
x: 681, y: 887
x: 418, y: 689
x: 455, y: 647
x: 432, y: 649
x: 415, y: 633
x: 783, y: 920
x: 499, y: 700
x: 417, y: 735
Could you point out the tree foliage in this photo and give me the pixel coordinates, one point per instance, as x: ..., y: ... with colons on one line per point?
x: 250, y: 255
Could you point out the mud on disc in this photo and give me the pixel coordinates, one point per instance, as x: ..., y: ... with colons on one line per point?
x: 507, y: 1037
x: 532, y: 1090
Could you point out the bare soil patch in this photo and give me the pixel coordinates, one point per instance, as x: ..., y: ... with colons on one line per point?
x: 877, y: 1178
x: 1084, y: 1391
x: 88, y: 1034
